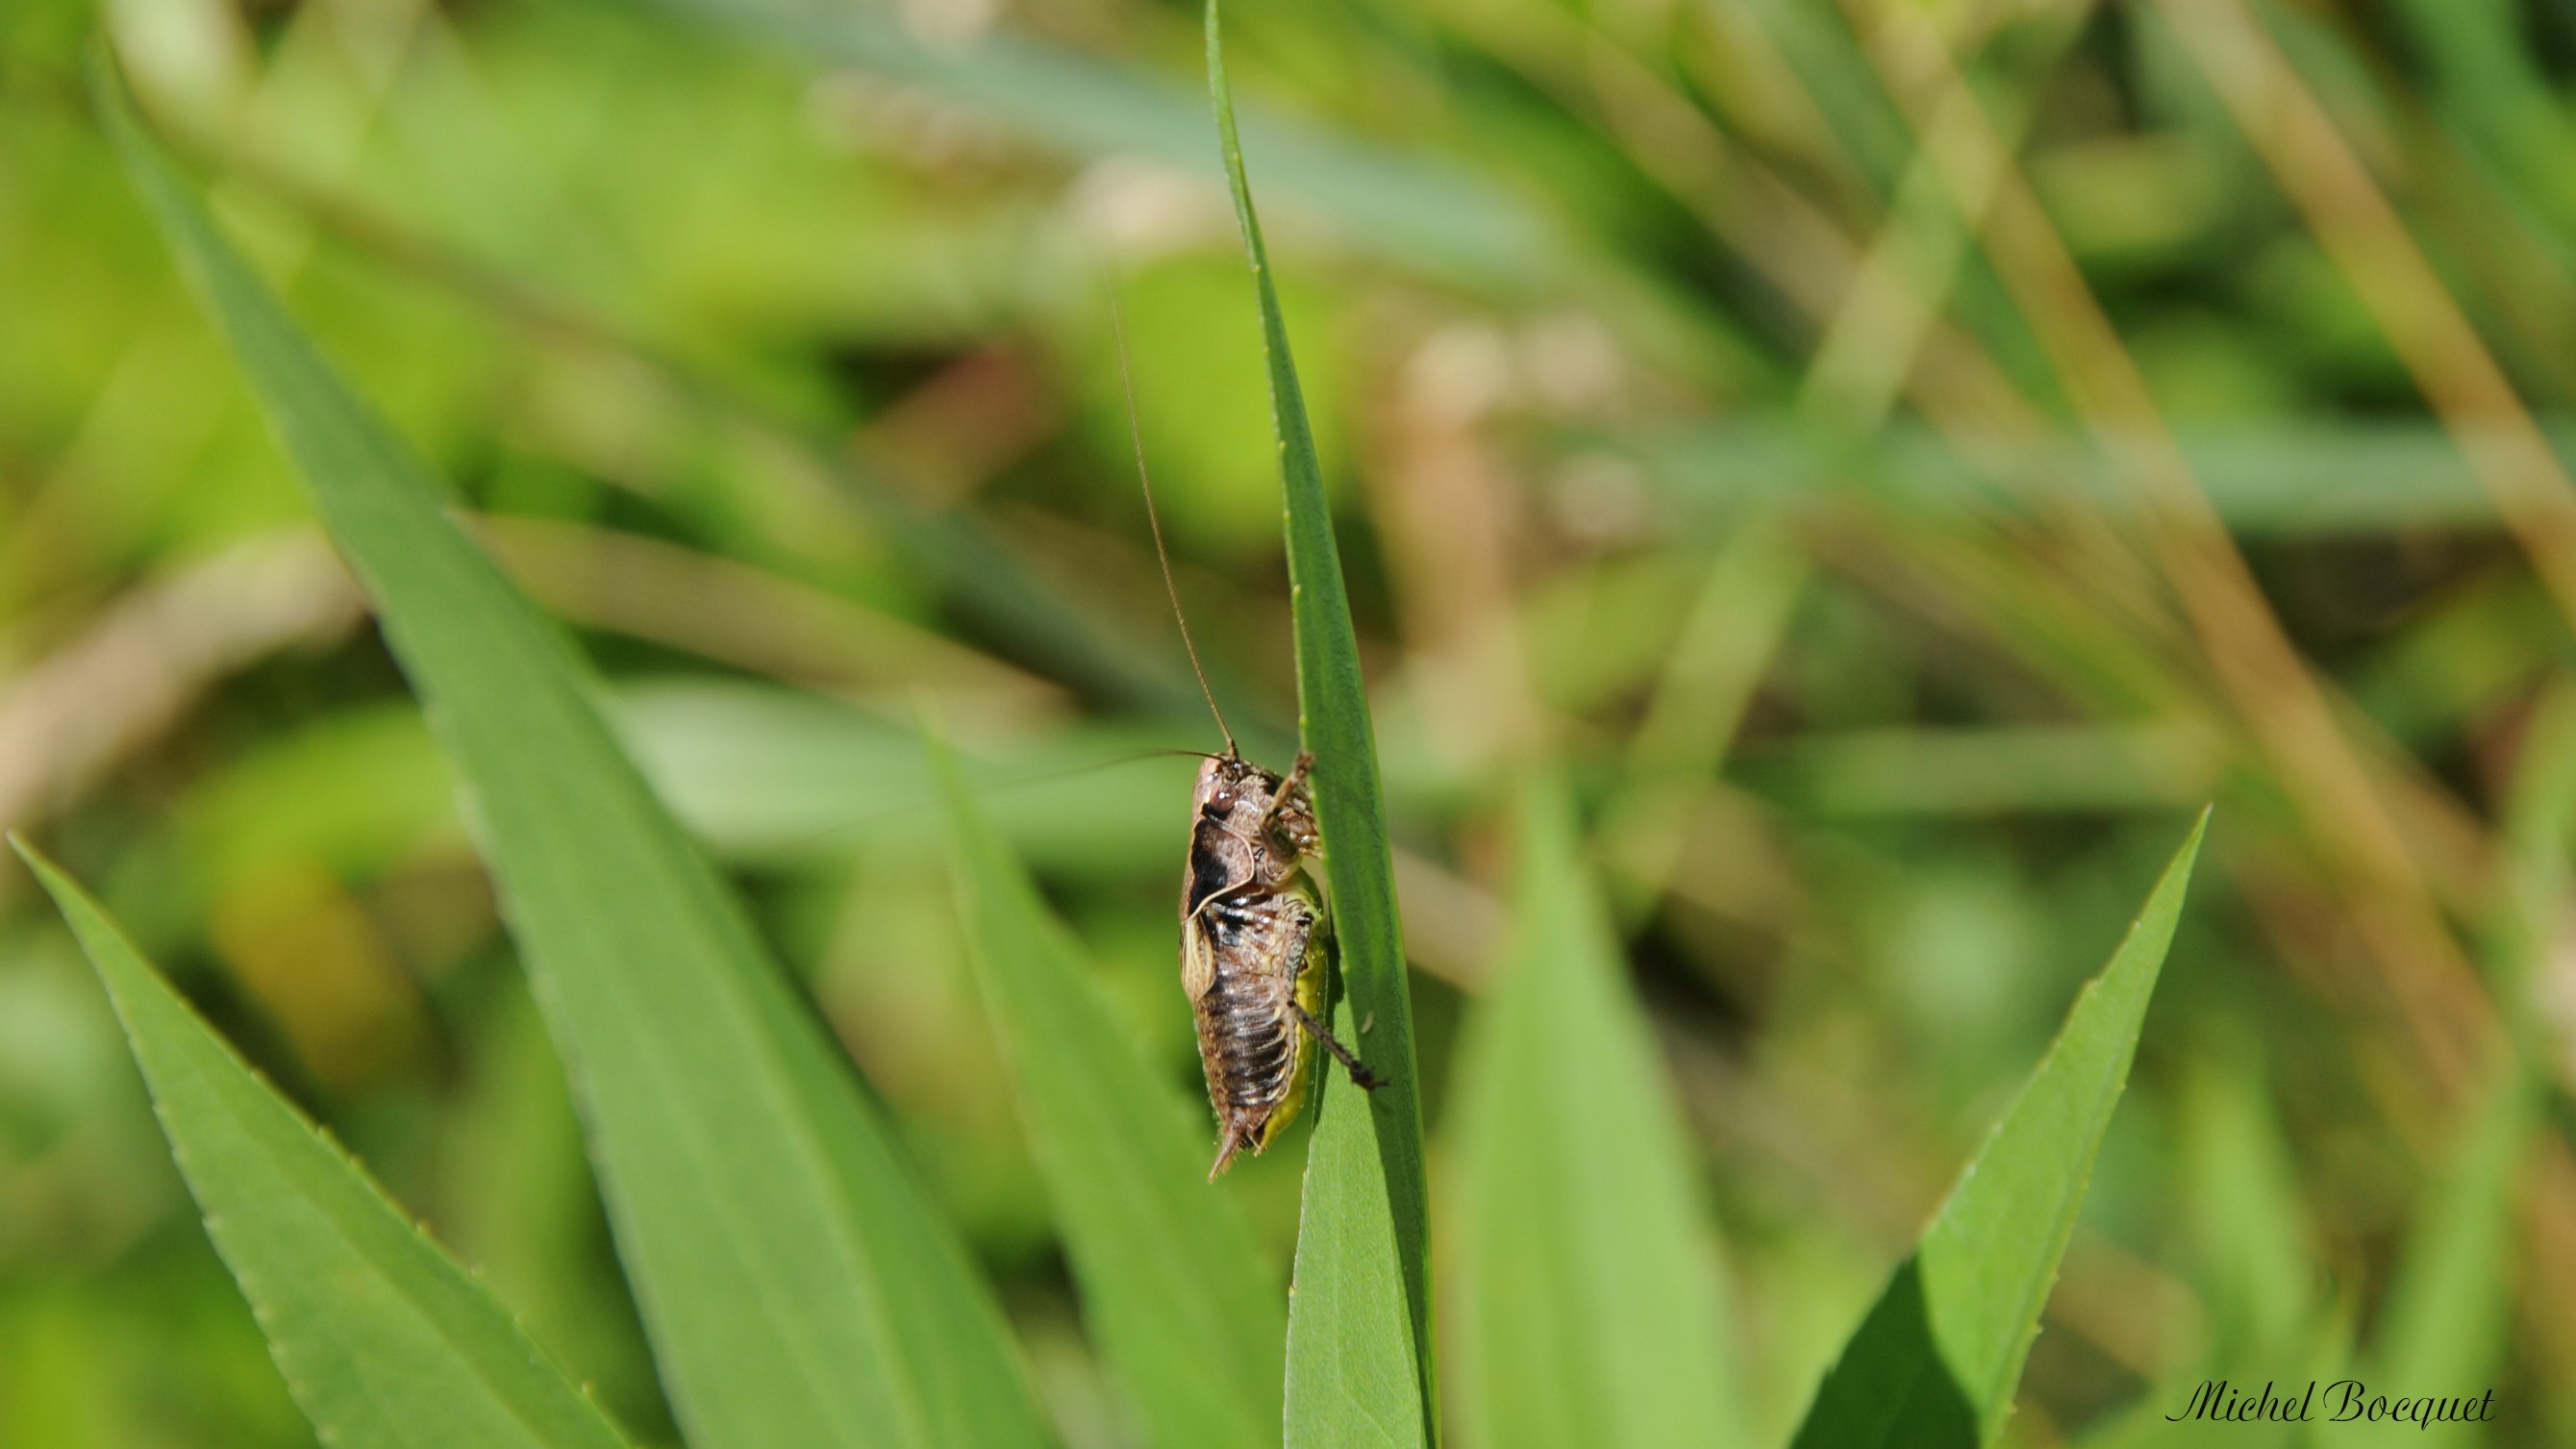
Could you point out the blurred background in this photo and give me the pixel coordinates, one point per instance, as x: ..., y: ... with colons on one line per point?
x: 1904, y: 455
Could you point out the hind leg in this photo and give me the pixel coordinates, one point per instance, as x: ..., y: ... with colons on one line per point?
x: 1361, y: 1076
x: 1306, y: 997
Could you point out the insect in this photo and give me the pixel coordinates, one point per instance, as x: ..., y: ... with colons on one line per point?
x: 1256, y: 937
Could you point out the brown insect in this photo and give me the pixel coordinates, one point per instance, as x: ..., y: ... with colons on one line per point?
x: 1256, y: 948
x: 1256, y: 936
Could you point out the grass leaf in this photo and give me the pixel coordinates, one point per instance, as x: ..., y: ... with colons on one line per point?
x: 1408, y: 205
x: 1359, y: 1325
x: 800, y: 1290
x: 2449, y: 1299
x: 1172, y: 1290
x: 1596, y: 1311
x: 383, y: 1339
x: 1934, y: 1364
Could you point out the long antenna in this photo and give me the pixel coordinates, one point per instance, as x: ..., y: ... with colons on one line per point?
x: 1154, y: 520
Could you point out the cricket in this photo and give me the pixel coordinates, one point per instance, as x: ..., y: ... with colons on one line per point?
x: 1256, y: 937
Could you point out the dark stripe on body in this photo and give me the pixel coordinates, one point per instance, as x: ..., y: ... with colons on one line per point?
x: 1207, y: 869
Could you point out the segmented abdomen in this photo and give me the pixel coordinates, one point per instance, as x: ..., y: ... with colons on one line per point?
x: 1257, y: 945
x: 1256, y: 1043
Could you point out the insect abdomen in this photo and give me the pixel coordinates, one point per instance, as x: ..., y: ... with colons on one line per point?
x: 1265, y: 962
x: 1256, y: 1041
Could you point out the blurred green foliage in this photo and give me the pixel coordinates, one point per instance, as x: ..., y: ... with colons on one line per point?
x: 1700, y: 408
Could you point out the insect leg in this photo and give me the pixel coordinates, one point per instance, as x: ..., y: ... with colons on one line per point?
x: 1361, y: 1076
x: 1301, y: 830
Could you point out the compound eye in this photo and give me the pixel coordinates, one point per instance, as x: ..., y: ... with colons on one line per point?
x: 1222, y: 800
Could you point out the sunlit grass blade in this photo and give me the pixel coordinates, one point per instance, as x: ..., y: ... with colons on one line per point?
x: 800, y: 1289
x: 1934, y: 1364
x: 1593, y: 1293
x: 383, y: 1339
x: 1359, y: 1326
x: 1172, y: 1288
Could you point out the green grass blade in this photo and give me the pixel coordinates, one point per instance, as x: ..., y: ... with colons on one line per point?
x: 2281, y: 479
x: 2450, y: 1298
x: 1359, y: 1325
x: 2258, y: 1271
x: 1172, y: 1288
x: 2445, y: 1324
x: 383, y: 1339
x: 2244, y: 1225
x: 1595, y: 1311
x: 800, y: 1290
x: 1410, y: 206
x: 1934, y: 1364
